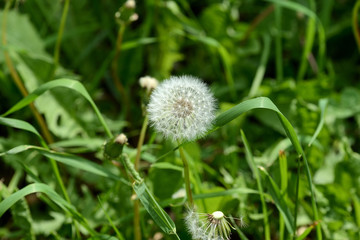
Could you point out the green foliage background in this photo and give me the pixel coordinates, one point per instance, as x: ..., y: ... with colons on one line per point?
x: 232, y: 46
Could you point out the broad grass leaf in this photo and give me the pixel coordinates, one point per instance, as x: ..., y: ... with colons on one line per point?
x: 161, y: 218
x: 70, y: 160
x: 50, y: 193
x: 21, y: 214
x: 21, y: 35
x: 67, y: 83
x: 259, y: 103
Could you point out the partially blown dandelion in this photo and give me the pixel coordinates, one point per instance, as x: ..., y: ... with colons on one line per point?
x: 182, y: 108
x: 204, y: 226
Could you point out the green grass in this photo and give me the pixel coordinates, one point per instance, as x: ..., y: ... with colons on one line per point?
x: 282, y: 152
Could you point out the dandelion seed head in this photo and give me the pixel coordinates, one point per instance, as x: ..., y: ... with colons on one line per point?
x: 182, y: 108
x: 208, y: 226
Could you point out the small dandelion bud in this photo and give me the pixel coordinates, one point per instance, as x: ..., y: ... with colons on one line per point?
x: 114, y: 147
x: 149, y: 83
x: 131, y: 4
x: 117, y: 14
x: 134, y: 17
x: 181, y: 108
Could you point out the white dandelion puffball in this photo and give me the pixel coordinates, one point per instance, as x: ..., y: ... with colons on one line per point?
x: 181, y: 108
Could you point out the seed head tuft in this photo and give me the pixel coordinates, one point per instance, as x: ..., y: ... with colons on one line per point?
x: 203, y: 226
x: 181, y: 108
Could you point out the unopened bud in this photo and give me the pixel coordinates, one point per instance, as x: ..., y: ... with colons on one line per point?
x: 114, y: 147
x: 149, y: 83
x: 134, y: 17
x: 131, y: 4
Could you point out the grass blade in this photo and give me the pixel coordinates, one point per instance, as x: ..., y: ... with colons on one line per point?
x: 260, y: 72
x: 68, y: 159
x: 266, y: 103
x: 255, y: 171
x: 67, y: 83
x: 19, y: 124
x: 322, y: 105
x: 43, y: 188
x: 279, y: 200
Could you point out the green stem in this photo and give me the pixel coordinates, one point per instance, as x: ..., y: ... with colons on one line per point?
x: 186, y: 176
x: 313, y: 200
x: 141, y: 142
x: 297, y: 196
x: 278, y: 44
x: 283, y: 188
x: 59, y: 37
x: 355, y: 24
x: 255, y: 171
x: 137, y: 228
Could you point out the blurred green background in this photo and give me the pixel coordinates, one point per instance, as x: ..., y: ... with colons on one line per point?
x: 295, y: 52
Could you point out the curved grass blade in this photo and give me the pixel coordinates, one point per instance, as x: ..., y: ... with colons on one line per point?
x: 19, y: 124
x: 279, y: 200
x: 322, y: 105
x: 67, y: 83
x: 70, y: 160
x: 43, y: 188
x: 266, y: 103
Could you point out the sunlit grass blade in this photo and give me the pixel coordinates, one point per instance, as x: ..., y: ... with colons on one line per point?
x: 70, y: 160
x: 256, y: 174
x: 67, y: 83
x: 266, y: 103
x: 322, y: 105
x: 279, y: 200
x: 43, y: 188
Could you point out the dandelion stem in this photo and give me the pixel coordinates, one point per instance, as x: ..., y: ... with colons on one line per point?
x: 186, y: 176
x: 141, y: 142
